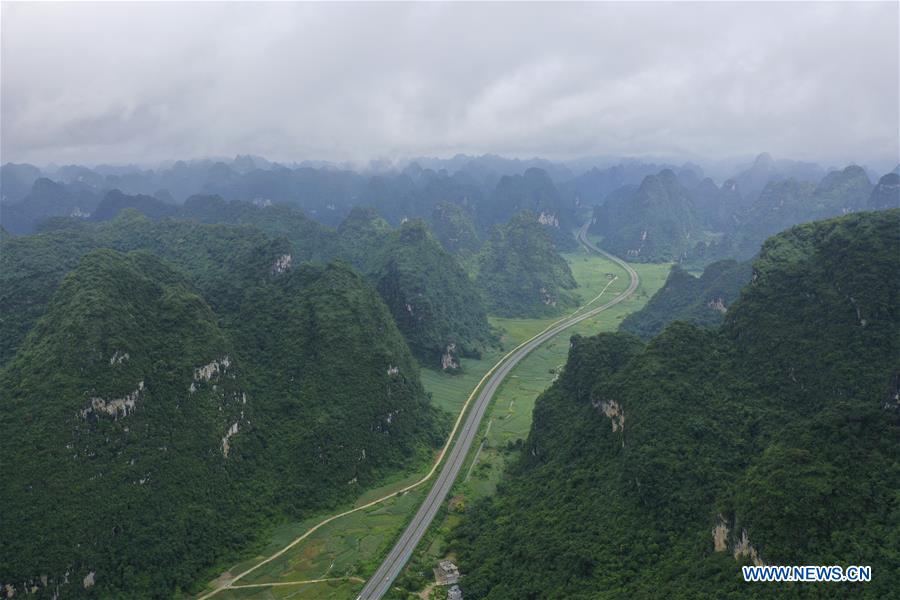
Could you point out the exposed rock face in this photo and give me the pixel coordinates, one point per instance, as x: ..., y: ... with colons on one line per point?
x: 118, y: 358
x: 116, y: 407
x: 718, y: 304
x: 226, y: 445
x: 548, y: 218
x: 613, y: 412
x: 546, y: 298
x: 215, y: 368
x: 282, y: 264
x: 449, y: 361
x: 393, y: 371
x: 743, y: 548
x: 720, y: 535
x: 89, y: 580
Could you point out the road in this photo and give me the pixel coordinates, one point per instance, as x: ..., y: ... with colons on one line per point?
x: 388, y: 571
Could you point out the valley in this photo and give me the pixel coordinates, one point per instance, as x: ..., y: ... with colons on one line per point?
x: 449, y: 300
x: 351, y: 545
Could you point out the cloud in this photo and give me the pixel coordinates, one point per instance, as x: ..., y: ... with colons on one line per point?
x: 92, y: 83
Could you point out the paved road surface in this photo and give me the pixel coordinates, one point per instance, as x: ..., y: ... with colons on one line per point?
x: 388, y: 571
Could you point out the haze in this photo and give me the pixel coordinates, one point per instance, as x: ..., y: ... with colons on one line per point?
x: 117, y: 83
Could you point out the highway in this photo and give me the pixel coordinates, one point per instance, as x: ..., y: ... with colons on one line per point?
x: 393, y: 564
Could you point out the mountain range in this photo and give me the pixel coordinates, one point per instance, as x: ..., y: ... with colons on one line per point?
x: 770, y: 440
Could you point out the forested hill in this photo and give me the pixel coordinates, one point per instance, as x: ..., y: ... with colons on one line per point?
x: 700, y: 300
x: 654, y: 224
x: 771, y: 440
x: 678, y: 217
x: 198, y: 405
x: 521, y: 274
x: 789, y: 202
x: 490, y: 189
x: 449, y: 310
x: 431, y: 297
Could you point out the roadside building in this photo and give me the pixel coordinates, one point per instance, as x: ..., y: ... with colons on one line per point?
x: 446, y: 573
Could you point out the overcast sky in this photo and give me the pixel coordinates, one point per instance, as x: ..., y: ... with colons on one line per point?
x: 90, y: 83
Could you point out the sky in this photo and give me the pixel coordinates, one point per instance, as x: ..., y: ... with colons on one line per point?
x: 137, y: 83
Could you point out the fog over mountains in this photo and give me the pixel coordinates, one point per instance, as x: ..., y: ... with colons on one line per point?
x: 811, y: 81
x: 433, y: 300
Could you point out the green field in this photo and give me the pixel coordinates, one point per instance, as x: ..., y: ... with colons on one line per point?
x: 352, y: 545
x: 508, y: 419
x: 330, y: 590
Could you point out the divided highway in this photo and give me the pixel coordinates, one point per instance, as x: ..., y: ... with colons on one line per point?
x: 388, y: 571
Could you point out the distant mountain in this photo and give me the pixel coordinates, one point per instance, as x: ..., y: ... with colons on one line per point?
x: 700, y: 300
x: 407, y: 266
x: 785, y: 203
x: 218, y: 260
x: 115, y: 201
x: 716, y: 207
x: 453, y: 226
x: 244, y: 163
x: 48, y: 198
x: 309, y: 239
x: 534, y: 191
x: 520, y: 273
x: 16, y: 180
x: 593, y: 186
x: 656, y: 222
x: 359, y: 235
x: 841, y: 192
x: 752, y: 179
x: 772, y: 440
x: 886, y: 194
x: 782, y: 204
x: 207, y: 400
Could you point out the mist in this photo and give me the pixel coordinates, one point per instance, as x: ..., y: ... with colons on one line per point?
x: 120, y: 83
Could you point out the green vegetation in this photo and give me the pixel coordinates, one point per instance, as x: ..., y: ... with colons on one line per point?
x: 655, y: 223
x: 509, y: 417
x: 352, y: 545
x: 667, y: 466
x: 160, y: 416
x: 454, y: 227
x: 699, y: 300
x: 784, y: 203
x: 533, y: 191
x: 886, y: 194
x: 309, y: 239
x: 521, y: 274
x: 431, y: 297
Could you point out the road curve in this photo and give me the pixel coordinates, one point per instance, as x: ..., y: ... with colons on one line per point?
x: 390, y: 568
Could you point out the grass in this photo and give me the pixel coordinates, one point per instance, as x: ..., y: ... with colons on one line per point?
x: 509, y: 416
x: 353, y: 545
x: 330, y: 590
